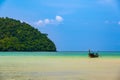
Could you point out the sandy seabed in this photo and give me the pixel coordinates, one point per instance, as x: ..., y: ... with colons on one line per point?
x: 58, y: 68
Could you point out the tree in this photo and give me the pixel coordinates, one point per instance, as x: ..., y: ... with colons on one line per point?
x: 17, y: 36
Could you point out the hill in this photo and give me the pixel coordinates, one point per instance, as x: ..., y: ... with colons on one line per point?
x: 20, y: 36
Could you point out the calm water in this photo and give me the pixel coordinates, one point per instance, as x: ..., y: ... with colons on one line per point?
x: 83, y: 54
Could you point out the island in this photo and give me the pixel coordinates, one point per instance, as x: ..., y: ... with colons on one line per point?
x: 20, y: 36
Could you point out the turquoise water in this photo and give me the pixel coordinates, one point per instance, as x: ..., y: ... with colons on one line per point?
x: 83, y: 54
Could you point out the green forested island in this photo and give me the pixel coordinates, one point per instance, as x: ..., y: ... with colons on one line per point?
x: 20, y: 36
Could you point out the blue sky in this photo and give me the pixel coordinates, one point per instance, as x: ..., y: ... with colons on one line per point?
x: 73, y: 25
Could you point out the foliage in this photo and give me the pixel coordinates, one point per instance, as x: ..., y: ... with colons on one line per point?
x: 20, y: 36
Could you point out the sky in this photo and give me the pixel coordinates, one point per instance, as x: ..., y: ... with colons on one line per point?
x: 73, y: 25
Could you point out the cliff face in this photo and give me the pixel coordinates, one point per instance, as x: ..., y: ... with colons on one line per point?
x: 17, y: 36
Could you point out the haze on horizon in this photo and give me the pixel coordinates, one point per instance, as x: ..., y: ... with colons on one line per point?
x: 73, y: 25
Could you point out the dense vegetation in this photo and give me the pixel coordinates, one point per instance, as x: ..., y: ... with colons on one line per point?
x: 20, y: 36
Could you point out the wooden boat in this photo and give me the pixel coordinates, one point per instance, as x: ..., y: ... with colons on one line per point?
x: 93, y: 55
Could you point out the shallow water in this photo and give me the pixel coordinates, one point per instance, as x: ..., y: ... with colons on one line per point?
x: 59, y: 66
x: 114, y: 54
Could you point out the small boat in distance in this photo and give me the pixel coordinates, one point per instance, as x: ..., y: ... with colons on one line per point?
x: 93, y: 55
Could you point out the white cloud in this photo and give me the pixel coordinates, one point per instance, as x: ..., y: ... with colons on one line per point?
x: 112, y: 22
x: 118, y: 22
x: 40, y: 22
x: 47, y: 21
x: 59, y: 18
x: 44, y: 22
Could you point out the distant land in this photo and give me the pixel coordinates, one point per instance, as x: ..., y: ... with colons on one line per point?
x: 20, y: 36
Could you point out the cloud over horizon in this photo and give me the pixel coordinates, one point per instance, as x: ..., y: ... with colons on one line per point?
x: 44, y: 22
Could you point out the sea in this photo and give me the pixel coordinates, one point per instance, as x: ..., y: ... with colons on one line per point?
x: 114, y: 54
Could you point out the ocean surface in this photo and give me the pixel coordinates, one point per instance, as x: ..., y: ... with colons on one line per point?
x: 73, y: 54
